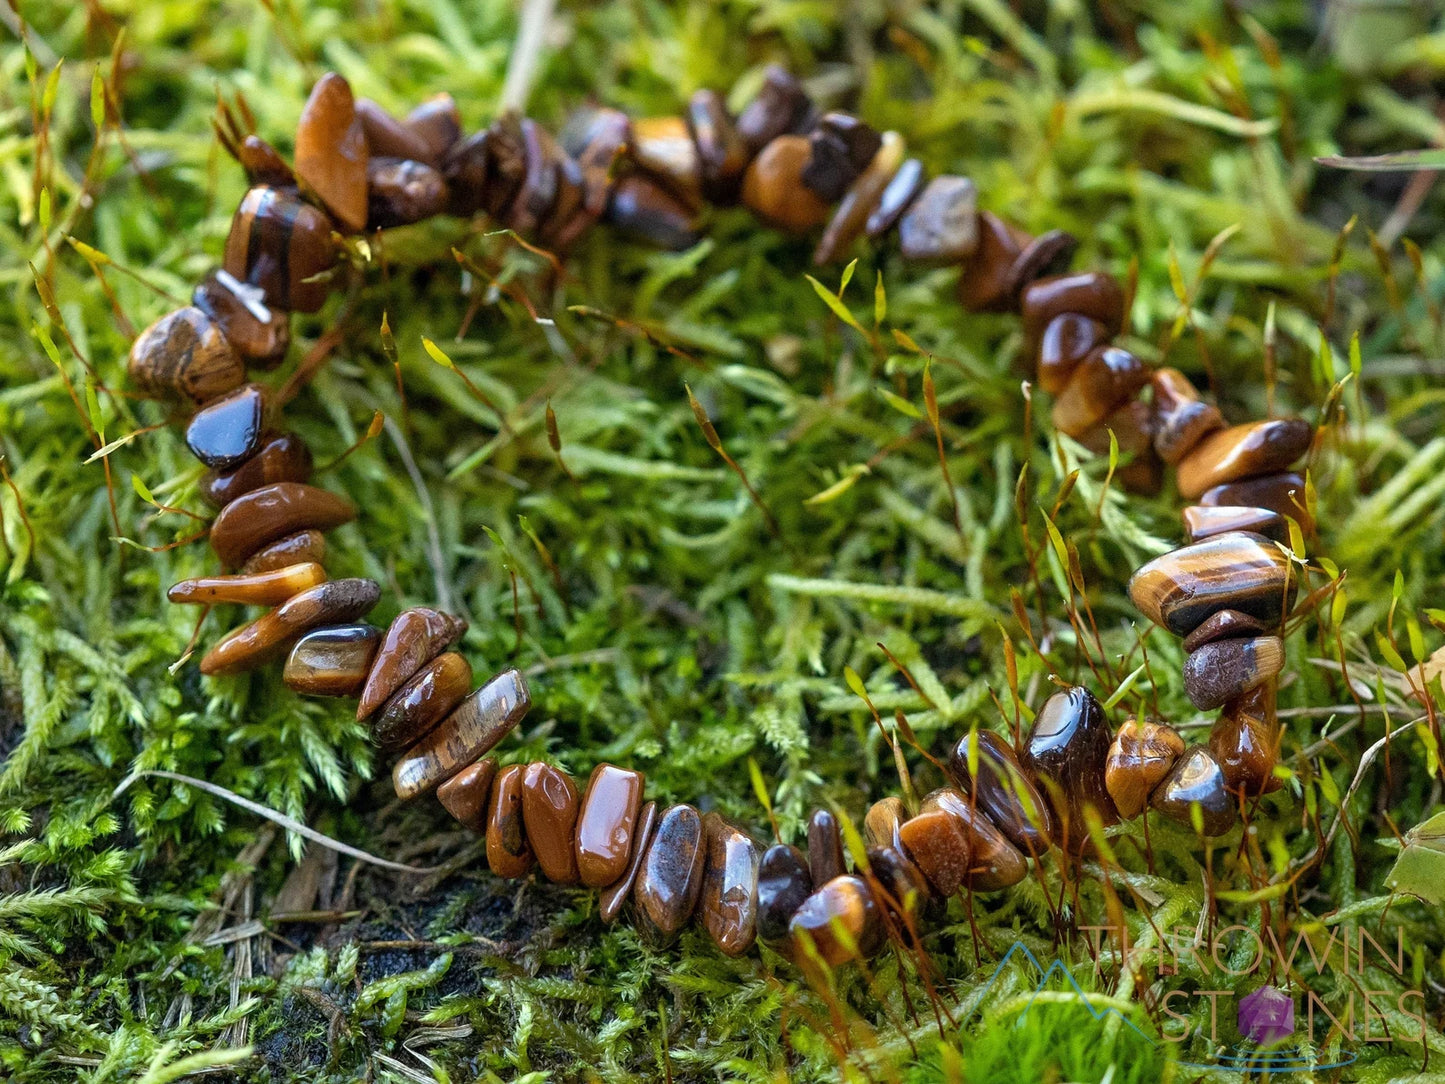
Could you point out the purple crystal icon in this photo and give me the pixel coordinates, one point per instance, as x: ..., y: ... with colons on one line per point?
x: 1266, y: 1015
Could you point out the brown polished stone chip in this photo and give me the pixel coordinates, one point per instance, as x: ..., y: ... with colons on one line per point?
x: 258, y: 589
x: 882, y: 822
x: 272, y: 512
x: 995, y: 862
x: 1095, y: 294
x: 783, y: 884
x: 400, y: 192
x: 1140, y: 757
x: 1182, y: 419
x: 986, y: 283
x: 773, y: 188
x: 1223, y: 670
x: 422, y: 702
x: 1066, y: 751
x: 281, y: 457
x: 896, y: 198
x: 258, y: 333
x: 851, y: 215
x: 1224, y: 625
x: 646, y: 210
x: 331, y: 661
x: 1283, y: 493
x: 1202, y: 521
x: 465, y: 794
x: 437, y: 122
x: 728, y: 904
x: 1239, y: 571
x: 299, y: 548
x: 283, y: 246
x: 941, y: 224
x: 781, y: 106
x: 606, y: 822
x: 412, y: 640
x: 1245, y: 742
x: 476, y: 726
x: 225, y: 432
x: 387, y: 137
x: 1066, y: 340
x: 837, y: 923
x: 1103, y: 381
x: 508, y: 853
x: 941, y: 846
x: 549, y: 809
x: 985, y: 767
x: 1196, y: 785
x: 332, y: 603
x: 185, y: 353
x: 615, y: 895
x: 670, y: 879
x: 1243, y: 451
x: 722, y: 152
x: 331, y: 152
x: 825, y: 847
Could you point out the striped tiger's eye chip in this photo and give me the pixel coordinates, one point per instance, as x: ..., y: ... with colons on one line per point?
x: 1140, y: 757
x: 1243, y: 451
x: 184, y: 353
x: 264, y: 515
x: 283, y: 246
x: 331, y: 661
x: 1238, y: 571
x: 472, y: 730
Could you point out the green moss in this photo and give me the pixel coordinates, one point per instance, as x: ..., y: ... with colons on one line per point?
x: 661, y: 620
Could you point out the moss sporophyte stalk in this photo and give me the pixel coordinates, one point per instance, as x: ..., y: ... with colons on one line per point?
x: 713, y: 467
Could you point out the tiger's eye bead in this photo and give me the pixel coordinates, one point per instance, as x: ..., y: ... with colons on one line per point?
x: 986, y: 284
x: 1046, y: 256
x: 422, y: 702
x: 259, y: 334
x: 670, y: 879
x: 1245, y: 742
x: 1132, y: 426
x: 848, y: 220
x: 652, y: 214
x: 282, y: 457
x: 1140, y: 757
x: 606, y: 824
x: 896, y: 198
x: 941, y: 846
x: 331, y: 151
x: 1243, y: 451
x: 1066, y: 751
x: 540, y: 183
x: 882, y: 822
x: 258, y: 589
x: 994, y: 862
x: 783, y: 884
x: 840, y: 147
x: 663, y: 147
x: 400, y: 192
x: 412, y: 640
x: 596, y: 138
x: 837, y: 923
x: 387, y: 137
x: 272, y: 512
x: 299, y: 548
x: 825, y: 847
x: 986, y: 769
x: 185, y: 353
x: 1196, y: 782
x: 1223, y: 670
x: 900, y: 887
x: 1095, y: 294
x: 467, y: 173
x: 549, y: 811
x: 1201, y: 522
x: 508, y: 853
x: 472, y: 730
x: 774, y: 191
x: 728, y: 904
x: 282, y: 245
x: 437, y: 123
x: 1066, y: 341
x: 331, y: 661
x: 465, y: 794
x: 335, y: 602
x: 225, y: 432
x: 496, y: 160
x: 1183, y: 420
x: 941, y: 225
x: 616, y: 894
x: 781, y: 106
x: 1104, y: 381
x: 722, y: 154
x: 1283, y: 493
x: 1224, y: 625
x: 1185, y: 587
x: 263, y: 163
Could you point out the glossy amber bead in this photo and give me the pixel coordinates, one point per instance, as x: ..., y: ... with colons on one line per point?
x: 839, y: 922
x: 1245, y: 742
x: 1196, y: 786
x: 825, y: 847
x: 465, y: 794
x: 728, y: 904
x: 412, y: 640
x: 1102, y: 382
x: 783, y: 884
x: 335, y: 602
x: 508, y: 853
x: 994, y: 862
x: 281, y: 457
x: 985, y: 767
x: 1202, y: 521
x: 1243, y: 451
x: 256, y: 589
x: 272, y: 512
x: 1066, y: 340
x: 422, y: 702
x: 1067, y: 750
x: 606, y: 824
x: 471, y: 731
x: 258, y: 333
x: 1141, y: 755
x: 299, y: 548
x: 331, y: 151
x: 549, y: 810
x: 851, y: 215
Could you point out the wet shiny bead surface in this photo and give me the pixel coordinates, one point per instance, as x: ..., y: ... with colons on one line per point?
x: 1095, y: 294
x: 259, y: 334
x: 1184, y: 588
x: 422, y: 701
x: 649, y: 212
x: 1102, y: 382
x: 783, y: 884
x: 1283, y: 493
x: 272, y: 512
x: 1225, y: 669
x: 896, y: 198
x: 840, y: 146
x: 941, y: 846
x: 606, y: 824
x: 1245, y: 742
x: 1202, y: 521
x: 882, y: 822
x: 780, y: 106
x: 472, y: 730
x: 848, y: 220
x: 508, y: 853
x: 332, y: 603
x: 615, y: 895
x: 298, y: 548
x: 387, y: 137
x: 400, y: 192
x: 225, y: 432
x: 728, y: 904
x: 1225, y: 625
x: 283, y: 246
x: 1066, y: 340
x: 1243, y: 451
x: 985, y: 767
x: 664, y: 147
x: 941, y: 224
x: 773, y: 188
x: 331, y: 152
x: 549, y: 810
x: 281, y: 457
x: 185, y: 353
x: 670, y: 879
x: 256, y: 589
x: 837, y: 923
x: 825, y: 847
x: 1141, y: 755
x: 465, y: 794
x: 1196, y: 784
x: 1182, y: 419
x: 994, y: 862
x: 721, y: 151
x: 412, y: 640
x: 331, y: 661
x: 986, y: 283
x: 1066, y: 750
